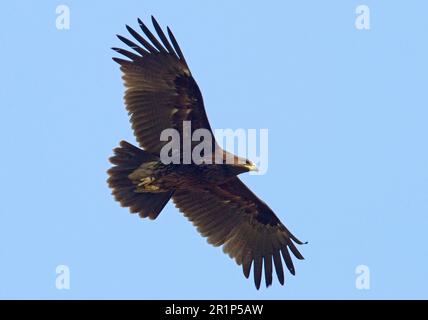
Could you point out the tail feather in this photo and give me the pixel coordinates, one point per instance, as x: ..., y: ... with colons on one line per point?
x: 126, y: 159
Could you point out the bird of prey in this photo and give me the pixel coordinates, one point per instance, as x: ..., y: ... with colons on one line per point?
x: 161, y: 93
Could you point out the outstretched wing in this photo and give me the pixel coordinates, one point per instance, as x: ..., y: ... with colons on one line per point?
x: 231, y: 215
x: 160, y: 90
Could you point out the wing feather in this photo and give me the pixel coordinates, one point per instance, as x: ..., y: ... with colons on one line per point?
x: 176, y: 46
x: 141, y: 40
x: 163, y: 38
x: 132, y: 45
x: 151, y: 37
x: 232, y: 216
x: 160, y: 90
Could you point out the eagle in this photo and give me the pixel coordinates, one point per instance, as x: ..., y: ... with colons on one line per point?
x: 161, y: 93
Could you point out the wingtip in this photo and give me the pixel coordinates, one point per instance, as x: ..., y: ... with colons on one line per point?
x: 155, y: 23
x: 300, y: 256
x: 257, y: 281
x: 246, y: 274
x: 120, y: 62
x: 296, y: 240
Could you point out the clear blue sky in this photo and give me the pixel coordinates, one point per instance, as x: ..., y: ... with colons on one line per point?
x: 347, y: 114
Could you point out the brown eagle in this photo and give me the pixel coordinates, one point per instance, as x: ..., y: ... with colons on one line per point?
x: 161, y: 94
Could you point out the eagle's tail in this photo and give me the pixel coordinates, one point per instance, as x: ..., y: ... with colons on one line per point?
x: 126, y: 159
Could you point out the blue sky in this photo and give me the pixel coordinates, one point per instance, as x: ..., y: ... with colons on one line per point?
x: 347, y: 114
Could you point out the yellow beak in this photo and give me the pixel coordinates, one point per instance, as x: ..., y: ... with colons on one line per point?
x: 251, y: 167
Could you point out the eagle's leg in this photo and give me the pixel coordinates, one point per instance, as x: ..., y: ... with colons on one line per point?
x: 145, y: 184
x: 149, y: 177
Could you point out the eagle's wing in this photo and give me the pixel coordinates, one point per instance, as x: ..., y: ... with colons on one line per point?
x: 160, y: 90
x: 231, y: 215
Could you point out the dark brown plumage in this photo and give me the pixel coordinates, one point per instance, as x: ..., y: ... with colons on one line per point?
x: 160, y: 94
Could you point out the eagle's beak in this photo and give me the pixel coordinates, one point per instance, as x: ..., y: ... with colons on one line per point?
x: 251, y: 167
